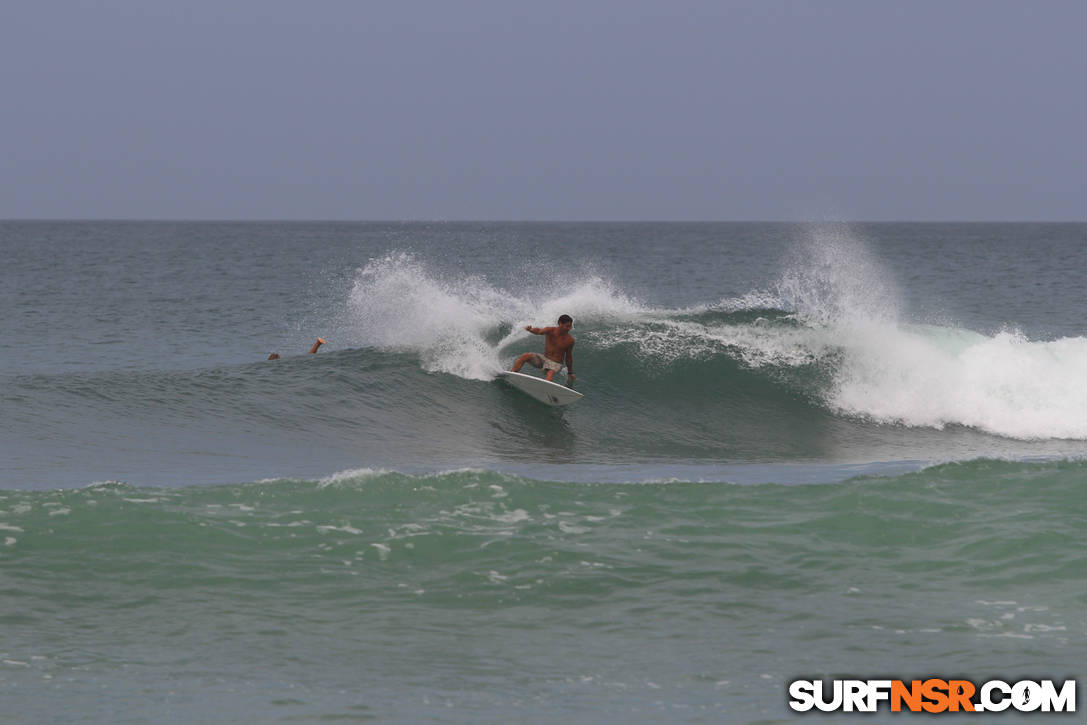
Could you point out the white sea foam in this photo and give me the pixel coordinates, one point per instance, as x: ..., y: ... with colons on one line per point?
x: 568, y: 528
x: 894, y: 372
x: 1004, y: 383
x: 918, y: 375
x: 350, y: 475
x: 345, y: 529
x: 512, y: 517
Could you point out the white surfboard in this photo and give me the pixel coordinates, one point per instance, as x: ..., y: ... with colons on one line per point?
x: 540, y: 389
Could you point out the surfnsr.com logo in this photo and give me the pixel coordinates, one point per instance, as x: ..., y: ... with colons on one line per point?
x: 932, y: 695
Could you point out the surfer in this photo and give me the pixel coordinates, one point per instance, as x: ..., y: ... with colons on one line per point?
x: 312, y: 350
x: 558, y: 350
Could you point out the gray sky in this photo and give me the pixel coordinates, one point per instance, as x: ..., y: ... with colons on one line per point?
x: 612, y: 110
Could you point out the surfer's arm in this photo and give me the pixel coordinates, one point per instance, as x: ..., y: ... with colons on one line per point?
x: 539, y: 330
x: 570, y: 363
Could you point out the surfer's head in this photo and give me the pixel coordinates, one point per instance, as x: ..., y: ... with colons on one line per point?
x: 566, y: 321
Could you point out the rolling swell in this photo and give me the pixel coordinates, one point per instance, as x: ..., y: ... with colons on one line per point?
x: 652, y: 392
x: 491, y: 531
x: 720, y: 384
x: 818, y: 368
x: 575, y: 587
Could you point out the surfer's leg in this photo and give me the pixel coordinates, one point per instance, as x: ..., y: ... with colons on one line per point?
x: 550, y: 367
x: 320, y: 341
x: 529, y: 357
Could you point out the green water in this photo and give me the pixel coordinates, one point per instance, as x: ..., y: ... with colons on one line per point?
x: 486, y: 596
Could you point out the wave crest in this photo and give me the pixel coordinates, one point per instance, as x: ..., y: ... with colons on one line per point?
x: 828, y: 330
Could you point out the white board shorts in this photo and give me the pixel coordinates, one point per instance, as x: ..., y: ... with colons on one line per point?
x: 546, y: 363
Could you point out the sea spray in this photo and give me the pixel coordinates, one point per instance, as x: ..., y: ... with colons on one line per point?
x: 834, y: 278
x: 396, y: 304
x: 924, y: 375
x: 462, y: 325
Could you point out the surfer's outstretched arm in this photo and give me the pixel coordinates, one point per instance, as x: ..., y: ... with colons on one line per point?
x: 570, y: 364
x: 539, y: 330
x: 320, y: 341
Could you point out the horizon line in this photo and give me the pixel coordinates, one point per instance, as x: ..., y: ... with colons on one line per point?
x: 315, y: 220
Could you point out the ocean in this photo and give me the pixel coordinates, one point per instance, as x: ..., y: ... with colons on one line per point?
x: 805, y: 451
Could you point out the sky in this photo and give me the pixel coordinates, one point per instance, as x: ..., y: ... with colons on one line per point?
x: 926, y: 110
